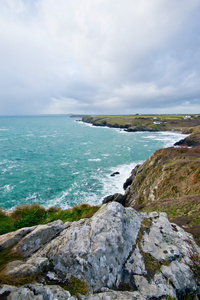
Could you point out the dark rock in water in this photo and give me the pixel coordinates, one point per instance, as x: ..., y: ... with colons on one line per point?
x: 116, y: 197
x: 128, y: 182
x: 115, y: 173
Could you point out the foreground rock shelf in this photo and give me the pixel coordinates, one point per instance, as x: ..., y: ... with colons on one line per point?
x: 117, y: 249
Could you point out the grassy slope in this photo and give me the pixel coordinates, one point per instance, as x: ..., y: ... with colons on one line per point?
x: 146, y: 122
x: 170, y: 181
x: 30, y: 215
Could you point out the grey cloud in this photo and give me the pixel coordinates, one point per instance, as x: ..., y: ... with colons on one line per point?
x: 99, y: 57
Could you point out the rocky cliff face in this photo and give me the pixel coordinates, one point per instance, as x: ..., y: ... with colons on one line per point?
x: 192, y: 140
x: 169, y: 181
x: 116, y: 254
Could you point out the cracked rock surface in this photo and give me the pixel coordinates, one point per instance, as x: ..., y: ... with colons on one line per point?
x: 119, y: 254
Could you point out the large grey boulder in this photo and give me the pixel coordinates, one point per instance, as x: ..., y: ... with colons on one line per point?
x: 96, y: 249
x: 115, y: 250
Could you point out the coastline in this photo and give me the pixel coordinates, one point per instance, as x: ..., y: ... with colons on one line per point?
x: 149, y: 123
x: 75, y: 256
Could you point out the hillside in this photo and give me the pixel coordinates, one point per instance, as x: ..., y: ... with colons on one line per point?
x: 179, y: 123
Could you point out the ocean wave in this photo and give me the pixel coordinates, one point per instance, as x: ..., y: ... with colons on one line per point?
x: 60, y: 201
x: 112, y: 184
x: 31, y: 197
x: 94, y: 159
x: 7, y: 188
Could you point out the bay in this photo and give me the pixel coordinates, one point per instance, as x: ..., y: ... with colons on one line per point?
x: 58, y: 161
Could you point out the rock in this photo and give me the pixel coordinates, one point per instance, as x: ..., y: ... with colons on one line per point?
x: 5, y: 290
x: 180, y: 275
x: 112, y: 295
x: 38, y: 237
x: 158, y: 287
x: 32, y: 267
x: 50, y: 292
x: 96, y: 250
x: 35, y: 292
x: 116, y: 197
x: 12, y: 238
x: 23, y: 294
x: 116, y: 249
x: 130, y: 179
x: 192, y: 140
x: 115, y: 173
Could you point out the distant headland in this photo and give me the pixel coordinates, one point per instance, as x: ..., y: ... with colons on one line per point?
x: 132, y: 123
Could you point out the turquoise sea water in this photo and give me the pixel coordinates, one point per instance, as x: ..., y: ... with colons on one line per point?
x: 59, y: 161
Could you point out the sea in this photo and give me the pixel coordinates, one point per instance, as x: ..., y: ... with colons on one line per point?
x: 61, y: 161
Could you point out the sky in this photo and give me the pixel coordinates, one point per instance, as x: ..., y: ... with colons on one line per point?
x: 99, y: 56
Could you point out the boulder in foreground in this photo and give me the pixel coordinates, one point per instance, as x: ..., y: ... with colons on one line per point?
x: 118, y: 254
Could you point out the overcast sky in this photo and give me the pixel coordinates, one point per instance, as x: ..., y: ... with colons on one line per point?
x: 99, y: 56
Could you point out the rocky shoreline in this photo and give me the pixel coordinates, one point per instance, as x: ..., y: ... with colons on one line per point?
x: 152, y: 123
x: 126, y: 250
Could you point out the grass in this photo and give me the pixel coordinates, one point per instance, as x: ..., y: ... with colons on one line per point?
x: 34, y: 214
x: 7, y: 256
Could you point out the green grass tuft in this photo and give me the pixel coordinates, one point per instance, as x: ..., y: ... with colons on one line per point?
x: 34, y: 214
x: 76, y: 286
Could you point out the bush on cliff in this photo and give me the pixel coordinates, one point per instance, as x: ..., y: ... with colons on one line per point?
x: 34, y: 214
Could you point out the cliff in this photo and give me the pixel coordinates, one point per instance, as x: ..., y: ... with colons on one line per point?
x: 192, y: 140
x: 118, y: 253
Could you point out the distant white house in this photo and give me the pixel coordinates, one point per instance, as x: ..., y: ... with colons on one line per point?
x: 157, y: 122
x: 187, y: 117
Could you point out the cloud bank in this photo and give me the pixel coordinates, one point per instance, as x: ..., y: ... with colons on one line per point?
x: 99, y: 57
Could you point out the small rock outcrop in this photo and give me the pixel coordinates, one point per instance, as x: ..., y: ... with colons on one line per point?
x: 117, y: 249
x: 129, y: 180
x: 192, y: 140
x: 116, y: 197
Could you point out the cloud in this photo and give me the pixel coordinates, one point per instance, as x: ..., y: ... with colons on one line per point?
x: 99, y: 56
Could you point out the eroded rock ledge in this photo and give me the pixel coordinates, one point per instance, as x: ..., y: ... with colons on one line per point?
x: 115, y: 250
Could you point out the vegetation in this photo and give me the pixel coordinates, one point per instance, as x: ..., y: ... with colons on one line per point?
x: 34, y: 214
x: 181, y: 123
x: 76, y: 286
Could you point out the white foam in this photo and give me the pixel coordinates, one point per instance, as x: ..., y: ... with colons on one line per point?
x: 94, y: 159
x: 7, y: 188
x: 64, y: 164
x: 168, y: 138
x: 112, y: 184
x: 59, y: 200
x: 33, y: 196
